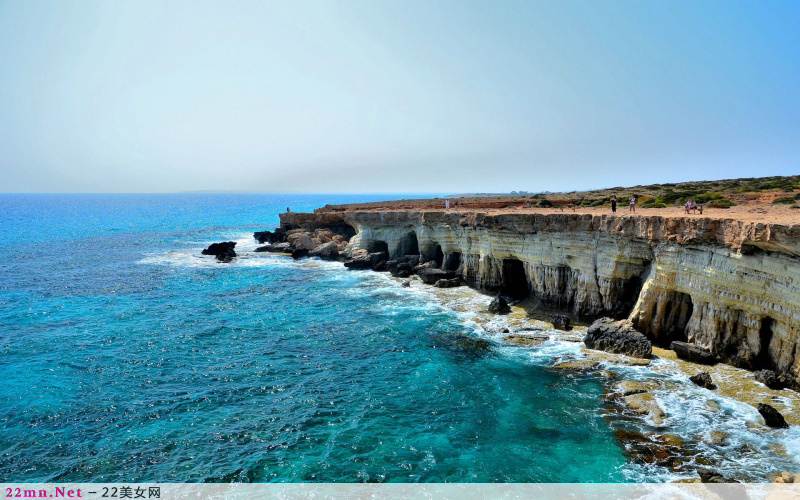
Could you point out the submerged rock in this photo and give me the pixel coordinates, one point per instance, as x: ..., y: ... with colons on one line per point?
x: 577, y: 366
x: 406, y: 283
x: 772, y: 417
x: 619, y: 337
x: 499, y: 305
x: 526, y: 340
x: 693, y: 353
x: 223, y: 250
x: 703, y: 379
x: 645, y: 404
x: 560, y: 322
x: 629, y: 387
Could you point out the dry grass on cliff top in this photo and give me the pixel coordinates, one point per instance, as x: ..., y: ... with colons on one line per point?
x: 765, y: 199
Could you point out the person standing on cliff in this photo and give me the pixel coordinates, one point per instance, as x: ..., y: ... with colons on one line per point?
x: 614, y: 204
x: 447, y: 204
x: 633, y: 204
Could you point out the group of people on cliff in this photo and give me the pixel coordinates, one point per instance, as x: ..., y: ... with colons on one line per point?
x: 631, y: 204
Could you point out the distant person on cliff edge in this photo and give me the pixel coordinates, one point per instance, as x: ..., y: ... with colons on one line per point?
x: 447, y: 204
x: 287, y: 209
x: 614, y: 204
x: 633, y: 204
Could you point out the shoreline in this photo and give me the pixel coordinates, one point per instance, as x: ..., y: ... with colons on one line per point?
x: 360, y: 249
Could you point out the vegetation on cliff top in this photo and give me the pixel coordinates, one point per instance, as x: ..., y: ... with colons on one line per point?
x: 715, y: 194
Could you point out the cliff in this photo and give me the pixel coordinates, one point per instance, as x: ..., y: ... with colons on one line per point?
x: 724, y: 284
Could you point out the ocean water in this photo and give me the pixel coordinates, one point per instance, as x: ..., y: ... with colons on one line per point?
x: 128, y: 356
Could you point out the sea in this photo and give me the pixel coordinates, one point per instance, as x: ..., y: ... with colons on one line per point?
x: 127, y: 356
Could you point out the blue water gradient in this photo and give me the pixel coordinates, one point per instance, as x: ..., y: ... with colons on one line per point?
x: 127, y: 356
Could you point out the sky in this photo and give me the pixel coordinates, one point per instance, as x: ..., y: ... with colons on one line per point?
x: 394, y: 96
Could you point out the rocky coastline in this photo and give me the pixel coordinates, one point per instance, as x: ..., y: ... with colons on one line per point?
x: 708, y: 290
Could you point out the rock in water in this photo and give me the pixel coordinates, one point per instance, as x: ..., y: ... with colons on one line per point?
x: 499, y: 305
x: 406, y: 284
x: 430, y: 275
x: 772, y: 417
x: 360, y: 259
x: 693, y: 353
x: 712, y: 476
x: 703, y: 379
x: 769, y: 378
x: 445, y: 283
x: 299, y: 253
x: 223, y: 250
x: 560, y: 322
x: 619, y: 337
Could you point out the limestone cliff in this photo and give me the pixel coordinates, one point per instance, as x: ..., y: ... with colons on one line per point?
x: 730, y: 286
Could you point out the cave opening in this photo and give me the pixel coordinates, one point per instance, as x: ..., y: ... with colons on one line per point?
x: 764, y: 360
x: 515, y: 281
x: 438, y: 256
x: 677, y: 313
x: 408, y: 245
x: 452, y: 261
x: 379, y: 246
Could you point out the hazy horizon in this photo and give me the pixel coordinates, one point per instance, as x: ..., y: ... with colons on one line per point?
x: 394, y: 97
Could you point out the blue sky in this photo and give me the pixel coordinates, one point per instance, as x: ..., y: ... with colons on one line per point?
x: 382, y: 96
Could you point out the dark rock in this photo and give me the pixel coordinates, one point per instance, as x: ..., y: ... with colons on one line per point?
x: 619, y: 337
x: 772, y: 417
x: 770, y: 379
x: 391, y: 265
x: 279, y: 235
x: 504, y: 330
x: 277, y: 247
x: 299, y: 253
x: 445, y: 283
x: 693, y: 353
x: 499, y: 305
x: 380, y: 266
x: 703, y: 379
x: 712, y: 476
x: 560, y: 322
x: 377, y: 257
x: 360, y: 259
x: 402, y: 270
x: 413, y: 260
x: 431, y: 275
x: 406, y: 283
x: 223, y: 251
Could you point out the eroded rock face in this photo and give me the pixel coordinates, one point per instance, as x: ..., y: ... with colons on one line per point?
x: 619, y: 337
x: 223, y: 251
x: 727, y: 286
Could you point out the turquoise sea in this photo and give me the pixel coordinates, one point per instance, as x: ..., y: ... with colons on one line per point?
x: 129, y: 357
